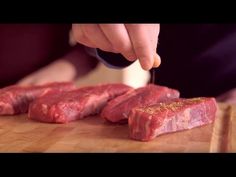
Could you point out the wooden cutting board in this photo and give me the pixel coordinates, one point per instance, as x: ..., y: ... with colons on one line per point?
x: 93, y: 134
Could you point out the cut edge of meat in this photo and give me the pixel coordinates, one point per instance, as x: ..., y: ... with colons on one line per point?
x: 94, y: 99
x: 15, y: 99
x: 146, y: 125
x: 109, y: 112
x: 6, y: 109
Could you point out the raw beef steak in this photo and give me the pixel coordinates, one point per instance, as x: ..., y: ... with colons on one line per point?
x: 118, y: 109
x: 76, y: 104
x: 16, y: 99
x: 180, y: 114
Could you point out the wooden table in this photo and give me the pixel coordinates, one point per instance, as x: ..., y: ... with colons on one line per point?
x: 93, y: 134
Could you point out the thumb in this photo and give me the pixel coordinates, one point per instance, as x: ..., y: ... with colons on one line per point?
x: 156, y: 60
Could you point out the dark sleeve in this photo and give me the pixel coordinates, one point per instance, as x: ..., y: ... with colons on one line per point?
x: 82, y: 62
x: 113, y: 59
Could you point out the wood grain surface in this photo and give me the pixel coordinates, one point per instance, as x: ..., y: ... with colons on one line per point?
x: 93, y: 134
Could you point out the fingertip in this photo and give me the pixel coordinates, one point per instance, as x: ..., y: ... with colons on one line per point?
x: 157, y: 61
x: 72, y: 40
x: 130, y: 57
x: 145, y: 64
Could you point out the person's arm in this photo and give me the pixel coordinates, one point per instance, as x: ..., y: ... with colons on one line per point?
x: 76, y: 63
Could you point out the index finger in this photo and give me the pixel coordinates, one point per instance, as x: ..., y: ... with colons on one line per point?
x: 142, y: 44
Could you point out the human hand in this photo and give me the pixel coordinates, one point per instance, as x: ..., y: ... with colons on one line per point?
x: 133, y: 41
x: 58, y: 71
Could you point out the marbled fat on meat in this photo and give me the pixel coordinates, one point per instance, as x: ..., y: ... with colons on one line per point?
x: 146, y: 123
x: 15, y: 99
x: 76, y: 104
x: 118, y: 109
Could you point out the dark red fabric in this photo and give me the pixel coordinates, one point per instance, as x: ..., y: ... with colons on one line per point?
x: 25, y: 48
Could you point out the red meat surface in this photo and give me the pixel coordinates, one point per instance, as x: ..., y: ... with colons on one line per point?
x: 16, y: 99
x: 76, y: 104
x: 118, y: 109
x: 180, y: 114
